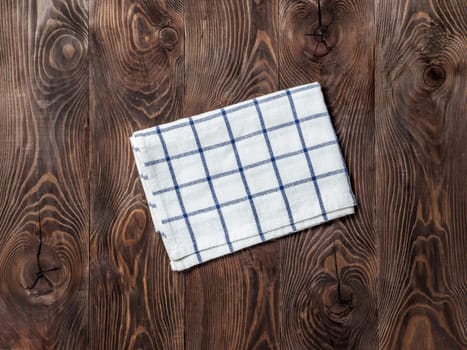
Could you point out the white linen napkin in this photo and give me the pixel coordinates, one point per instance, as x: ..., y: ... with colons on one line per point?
x: 240, y: 175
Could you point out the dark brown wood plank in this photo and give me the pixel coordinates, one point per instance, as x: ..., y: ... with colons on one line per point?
x: 393, y: 276
x: 232, y: 302
x: 44, y: 207
x: 328, y: 273
x: 137, y: 68
x: 421, y: 165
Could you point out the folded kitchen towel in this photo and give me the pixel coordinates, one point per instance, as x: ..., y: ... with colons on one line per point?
x: 244, y: 174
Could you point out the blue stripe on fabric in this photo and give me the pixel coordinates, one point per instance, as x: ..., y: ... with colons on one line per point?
x: 211, y: 186
x: 307, y: 155
x: 246, y: 167
x: 242, y: 174
x: 240, y: 138
x: 274, y: 165
x: 234, y: 108
x: 259, y: 194
x: 179, y: 196
x: 186, y: 154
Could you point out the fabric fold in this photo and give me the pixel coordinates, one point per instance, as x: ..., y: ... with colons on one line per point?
x: 234, y: 177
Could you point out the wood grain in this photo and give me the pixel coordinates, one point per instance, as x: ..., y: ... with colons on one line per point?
x: 231, y: 50
x: 44, y: 207
x: 136, y: 81
x: 328, y: 273
x: 81, y: 265
x: 421, y: 162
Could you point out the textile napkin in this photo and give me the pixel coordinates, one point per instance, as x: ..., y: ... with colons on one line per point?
x: 230, y: 178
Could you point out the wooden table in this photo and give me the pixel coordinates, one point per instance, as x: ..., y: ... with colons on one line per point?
x: 80, y: 263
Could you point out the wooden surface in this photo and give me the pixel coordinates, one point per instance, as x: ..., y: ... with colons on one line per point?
x: 81, y: 266
x: 233, y: 303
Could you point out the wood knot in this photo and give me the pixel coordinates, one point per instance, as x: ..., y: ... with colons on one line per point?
x: 339, y: 302
x: 325, y: 35
x: 324, y: 38
x: 168, y: 37
x: 434, y: 75
x: 134, y: 227
x: 65, y: 53
x: 68, y: 51
x: 143, y: 32
x: 323, y: 46
x: 338, y: 296
x: 42, y: 274
x: 320, y: 33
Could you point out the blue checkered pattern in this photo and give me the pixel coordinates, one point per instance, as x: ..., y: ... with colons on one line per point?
x: 234, y: 177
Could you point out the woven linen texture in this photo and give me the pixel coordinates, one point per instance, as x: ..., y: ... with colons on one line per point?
x: 240, y: 175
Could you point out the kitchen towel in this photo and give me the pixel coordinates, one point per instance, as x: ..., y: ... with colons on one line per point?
x: 230, y: 178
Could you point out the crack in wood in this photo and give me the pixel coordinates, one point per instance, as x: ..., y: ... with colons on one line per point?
x: 320, y: 33
x: 340, y: 299
x: 41, y: 274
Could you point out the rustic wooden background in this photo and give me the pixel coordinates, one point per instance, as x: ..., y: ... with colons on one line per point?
x: 80, y: 264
